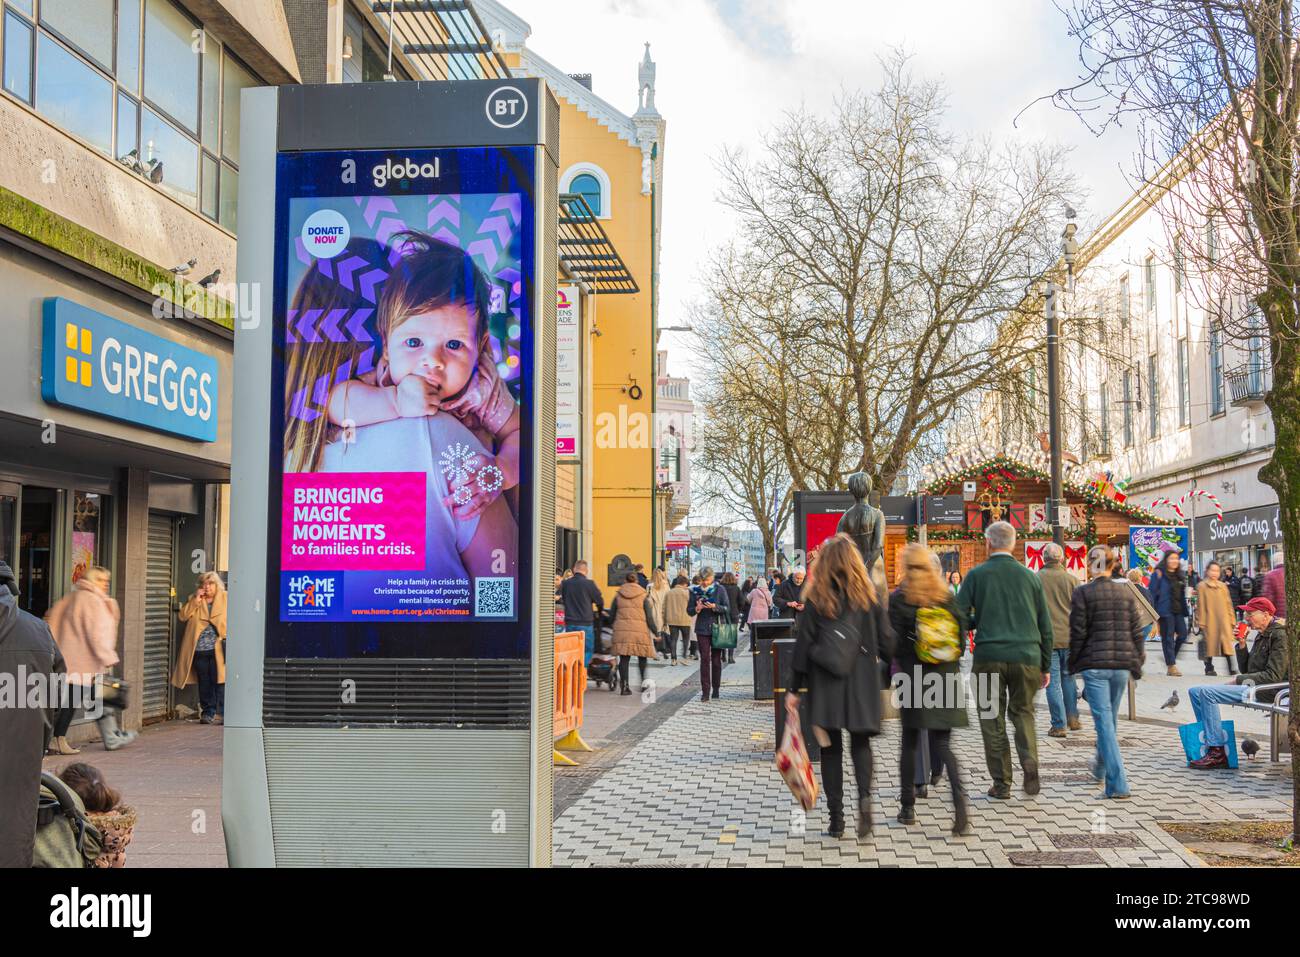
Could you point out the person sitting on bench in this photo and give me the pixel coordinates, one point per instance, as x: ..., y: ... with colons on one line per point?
x: 1266, y: 664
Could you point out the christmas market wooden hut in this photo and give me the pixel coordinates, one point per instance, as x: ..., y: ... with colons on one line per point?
x: 1016, y: 489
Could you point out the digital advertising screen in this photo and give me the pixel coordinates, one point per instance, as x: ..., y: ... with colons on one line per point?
x: 402, y: 420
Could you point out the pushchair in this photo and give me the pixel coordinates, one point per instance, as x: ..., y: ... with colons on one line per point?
x: 64, y: 835
x: 604, y: 666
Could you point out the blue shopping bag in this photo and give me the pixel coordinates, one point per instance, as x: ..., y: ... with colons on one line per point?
x: 1193, y: 737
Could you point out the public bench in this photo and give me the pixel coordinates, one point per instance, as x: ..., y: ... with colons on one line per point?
x: 1278, y: 711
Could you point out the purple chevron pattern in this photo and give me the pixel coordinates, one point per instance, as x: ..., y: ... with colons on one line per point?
x: 377, y: 205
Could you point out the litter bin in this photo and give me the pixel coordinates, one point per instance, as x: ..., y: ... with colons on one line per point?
x: 762, y: 634
x: 782, y: 666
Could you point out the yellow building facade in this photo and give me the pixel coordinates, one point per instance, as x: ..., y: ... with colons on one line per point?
x: 606, y: 493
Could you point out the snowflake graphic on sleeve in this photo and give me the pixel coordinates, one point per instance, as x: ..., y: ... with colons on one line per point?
x: 458, y: 462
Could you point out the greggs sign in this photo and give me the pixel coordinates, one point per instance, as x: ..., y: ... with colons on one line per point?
x: 108, y: 368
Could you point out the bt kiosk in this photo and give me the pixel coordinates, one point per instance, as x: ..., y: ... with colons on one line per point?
x: 390, y: 649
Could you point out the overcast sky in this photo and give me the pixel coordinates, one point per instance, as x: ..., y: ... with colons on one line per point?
x: 727, y: 67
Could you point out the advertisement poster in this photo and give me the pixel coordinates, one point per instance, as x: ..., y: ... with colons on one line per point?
x: 403, y: 377
x: 1147, y: 543
x: 568, y: 374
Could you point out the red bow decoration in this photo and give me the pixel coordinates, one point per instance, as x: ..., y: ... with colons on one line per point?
x: 1076, y: 556
x: 1034, y: 556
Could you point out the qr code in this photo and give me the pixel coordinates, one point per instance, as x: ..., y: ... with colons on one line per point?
x: 494, y: 597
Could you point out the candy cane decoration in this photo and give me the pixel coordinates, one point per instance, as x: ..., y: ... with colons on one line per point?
x: 1164, y: 501
x: 1197, y: 493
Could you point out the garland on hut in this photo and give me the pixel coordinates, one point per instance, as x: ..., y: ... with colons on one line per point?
x: 1001, y: 470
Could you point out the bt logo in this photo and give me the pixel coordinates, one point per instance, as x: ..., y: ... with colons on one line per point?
x: 506, y: 107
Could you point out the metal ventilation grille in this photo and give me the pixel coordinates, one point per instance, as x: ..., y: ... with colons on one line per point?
x: 361, y: 692
x: 376, y: 797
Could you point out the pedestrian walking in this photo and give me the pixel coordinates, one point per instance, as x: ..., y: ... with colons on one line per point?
x: 634, y: 625
x: 202, y: 655
x: 923, y: 614
x: 1274, y: 589
x: 709, y: 603
x: 27, y: 651
x: 84, y: 623
x: 584, y: 605
x: 1267, y: 663
x: 1062, y: 694
x: 787, y: 596
x: 1106, y: 648
x: 1234, y: 586
x: 677, y: 618
x: 1216, y: 619
x: 840, y: 641
x: 733, y: 597
x: 1168, y: 587
x: 658, y: 592
x: 1003, y: 600
x: 760, y: 605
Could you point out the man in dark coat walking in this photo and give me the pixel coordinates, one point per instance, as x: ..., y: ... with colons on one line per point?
x: 27, y: 653
x: 787, y: 596
x: 580, y: 596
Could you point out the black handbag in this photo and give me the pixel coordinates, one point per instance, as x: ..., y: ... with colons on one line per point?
x: 116, y: 692
x: 838, y: 645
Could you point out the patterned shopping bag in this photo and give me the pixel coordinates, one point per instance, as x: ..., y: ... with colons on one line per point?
x: 793, y: 763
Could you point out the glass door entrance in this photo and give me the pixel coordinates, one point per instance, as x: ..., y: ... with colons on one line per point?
x: 9, y: 524
x: 36, y: 540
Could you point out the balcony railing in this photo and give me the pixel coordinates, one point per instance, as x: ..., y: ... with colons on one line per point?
x: 1248, y: 383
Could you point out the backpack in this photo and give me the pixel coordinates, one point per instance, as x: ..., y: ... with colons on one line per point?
x: 938, y: 636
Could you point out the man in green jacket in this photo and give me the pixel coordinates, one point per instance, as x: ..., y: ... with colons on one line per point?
x: 1003, y: 601
x: 1058, y: 588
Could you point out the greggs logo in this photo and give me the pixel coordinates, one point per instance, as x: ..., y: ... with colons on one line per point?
x: 110, y: 368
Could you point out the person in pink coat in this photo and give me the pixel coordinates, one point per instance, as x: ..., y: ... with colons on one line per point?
x: 760, y: 603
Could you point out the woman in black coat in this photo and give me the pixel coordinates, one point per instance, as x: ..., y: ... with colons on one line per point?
x: 733, y: 598
x: 842, y: 606
x: 923, y: 588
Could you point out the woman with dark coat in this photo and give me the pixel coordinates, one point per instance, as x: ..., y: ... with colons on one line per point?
x: 841, y: 604
x: 733, y: 597
x: 1168, y: 589
x: 923, y: 588
x: 1106, y: 635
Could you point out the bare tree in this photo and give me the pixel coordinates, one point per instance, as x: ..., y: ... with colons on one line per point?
x: 877, y: 260
x: 738, y: 457
x: 1215, y: 88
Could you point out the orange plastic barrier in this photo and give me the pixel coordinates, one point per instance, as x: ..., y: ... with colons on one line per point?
x: 570, y: 691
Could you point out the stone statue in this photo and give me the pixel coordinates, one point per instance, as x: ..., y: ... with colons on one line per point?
x: 865, y: 524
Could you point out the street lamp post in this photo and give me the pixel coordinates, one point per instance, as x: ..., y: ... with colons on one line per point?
x: 1051, y: 300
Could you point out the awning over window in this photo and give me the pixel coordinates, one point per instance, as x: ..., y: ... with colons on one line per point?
x: 444, y: 39
x: 587, y: 254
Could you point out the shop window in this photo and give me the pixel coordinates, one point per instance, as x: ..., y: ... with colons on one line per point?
x: 85, y: 24
x: 234, y: 80
x: 73, y: 94
x: 89, y: 531
x: 588, y: 188
x: 18, y: 58
x: 177, y: 154
x: 592, y: 184
x: 171, y: 69
x: 128, y: 45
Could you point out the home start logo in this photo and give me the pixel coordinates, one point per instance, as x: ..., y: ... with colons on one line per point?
x: 308, y: 593
x: 325, y: 233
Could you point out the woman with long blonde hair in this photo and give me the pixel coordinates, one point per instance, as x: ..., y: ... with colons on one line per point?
x: 840, y: 639
x: 931, y: 693
x: 658, y: 592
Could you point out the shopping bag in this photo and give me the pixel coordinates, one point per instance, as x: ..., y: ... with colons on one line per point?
x: 724, y: 635
x: 1193, y: 738
x: 793, y: 763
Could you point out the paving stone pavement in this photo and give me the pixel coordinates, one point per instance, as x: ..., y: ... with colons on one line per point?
x: 699, y: 790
